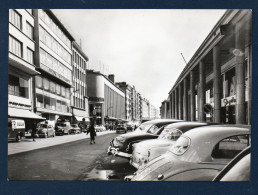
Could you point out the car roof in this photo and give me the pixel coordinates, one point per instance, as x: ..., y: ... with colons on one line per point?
x: 158, y: 121
x: 203, y: 139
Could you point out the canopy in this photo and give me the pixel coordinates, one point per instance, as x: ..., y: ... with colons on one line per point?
x: 21, y: 113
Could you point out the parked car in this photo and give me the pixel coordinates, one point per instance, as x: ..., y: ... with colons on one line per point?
x: 238, y: 169
x: 63, y: 128
x: 145, y: 151
x: 198, y: 155
x: 16, y: 129
x: 100, y: 128
x: 122, y: 144
x: 75, y: 129
x: 45, y: 130
x: 121, y: 128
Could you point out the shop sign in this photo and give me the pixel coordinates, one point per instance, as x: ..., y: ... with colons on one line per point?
x: 228, y: 101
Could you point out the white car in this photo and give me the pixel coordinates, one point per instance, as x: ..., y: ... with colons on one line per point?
x: 145, y: 151
x: 100, y: 128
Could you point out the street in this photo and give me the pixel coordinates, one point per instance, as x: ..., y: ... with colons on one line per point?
x: 74, y: 161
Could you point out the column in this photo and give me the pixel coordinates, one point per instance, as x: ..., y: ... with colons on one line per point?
x: 180, y: 102
x: 192, y: 91
x: 173, y: 104
x: 217, y: 84
x: 176, y: 103
x: 201, y: 91
x: 185, y: 100
x: 240, y: 76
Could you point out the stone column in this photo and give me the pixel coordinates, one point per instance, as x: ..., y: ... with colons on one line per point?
x: 185, y: 101
x: 202, y: 94
x: 180, y: 98
x: 176, y: 103
x: 217, y: 84
x: 240, y: 76
x: 173, y: 104
x: 192, y: 90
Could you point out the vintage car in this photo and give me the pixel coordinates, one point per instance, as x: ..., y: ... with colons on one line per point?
x: 16, y: 129
x: 145, y: 151
x: 62, y: 127
x: 198, y: 155
x: 100, y: 128
x: 75, y: 129
x: 122, y: 144
x: 45, y: 130
x: 121, y: 128
x: 238, y: 169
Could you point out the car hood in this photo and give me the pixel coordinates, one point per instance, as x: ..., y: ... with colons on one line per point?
x: 154, y: 143
x: 154, y: 168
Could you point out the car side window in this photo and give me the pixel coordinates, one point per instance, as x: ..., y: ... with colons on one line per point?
x: 229, y: 147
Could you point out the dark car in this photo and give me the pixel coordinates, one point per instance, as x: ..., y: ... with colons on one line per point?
x: 121, y: 128
x: 122, y: 144
x: 238, y: 169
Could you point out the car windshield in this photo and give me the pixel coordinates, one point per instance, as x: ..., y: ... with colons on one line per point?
x: 144, y: 127
x: 60, y: 124
x: 43, y: 126
x: 181, y: 146
x: 170, y: 134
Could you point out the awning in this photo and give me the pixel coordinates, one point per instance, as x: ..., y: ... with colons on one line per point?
x: 79, y: 118
x: 21, y: 113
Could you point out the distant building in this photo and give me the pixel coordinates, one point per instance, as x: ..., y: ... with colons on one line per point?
x: 79, y: 105
x: 106, y: 99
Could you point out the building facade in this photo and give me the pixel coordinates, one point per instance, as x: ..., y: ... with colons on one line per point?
x: 21, y: 69
x: 215, y: 85
x: 79, y: 105
x: 53, y: 59
x: 106, y: 99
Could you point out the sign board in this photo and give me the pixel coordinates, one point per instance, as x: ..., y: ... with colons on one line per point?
x: 207, y: 108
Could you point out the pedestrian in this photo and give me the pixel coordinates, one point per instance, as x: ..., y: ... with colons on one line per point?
x: 92, y: 133
x: 34, y: 130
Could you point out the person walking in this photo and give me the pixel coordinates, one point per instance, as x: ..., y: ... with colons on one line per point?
x: 92, y: 133
x: 34, y: 130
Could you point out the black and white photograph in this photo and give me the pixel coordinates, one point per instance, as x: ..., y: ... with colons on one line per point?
x: 129, y: 95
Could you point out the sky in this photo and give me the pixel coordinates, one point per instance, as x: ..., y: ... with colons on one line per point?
x: 140, y: 47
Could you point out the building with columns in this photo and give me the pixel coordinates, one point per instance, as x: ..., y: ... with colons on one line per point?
x: 215, y: 85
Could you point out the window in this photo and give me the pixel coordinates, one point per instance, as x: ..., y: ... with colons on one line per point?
x: 29, y: 30
x: 40, y: 102
x: 228, y: 148
x: 39, y: 82
x: 15, y: 18
x: 30, y: 56
x: 18, y: 86
x: 15, y: 46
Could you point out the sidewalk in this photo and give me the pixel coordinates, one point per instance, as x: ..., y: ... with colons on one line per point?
x: 27, y: 144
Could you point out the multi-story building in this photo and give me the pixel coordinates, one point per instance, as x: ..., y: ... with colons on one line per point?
x: 106, y: 99
x: 79, y: 106
x: 128, y: 99
x: 21, y: 65
x: 215, y: 85
x: 53, y: 59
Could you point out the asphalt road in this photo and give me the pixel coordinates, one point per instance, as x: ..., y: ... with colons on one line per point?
x: 74, y: 161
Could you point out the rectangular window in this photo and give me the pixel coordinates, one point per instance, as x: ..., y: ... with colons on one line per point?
x: 15, y: 18
x: 30, y: 56
x: 15, y: 46
x: 18, y: 86
x: 45, y: 84
x: 29, y: 30
x: 39, y: 82
x: 40, y: 102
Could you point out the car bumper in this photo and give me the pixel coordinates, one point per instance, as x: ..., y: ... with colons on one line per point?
x: 115, y: 151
